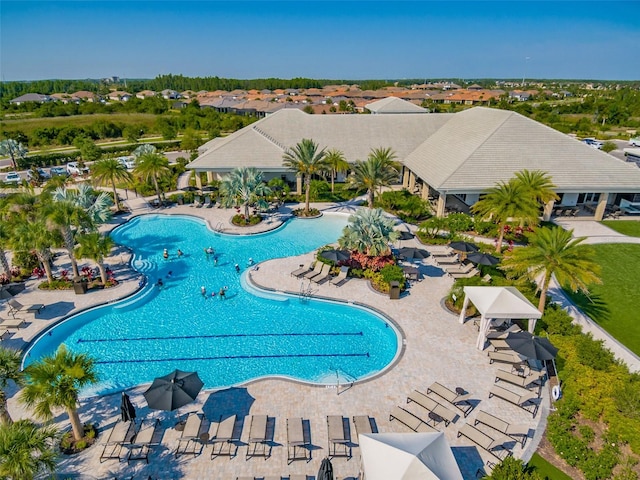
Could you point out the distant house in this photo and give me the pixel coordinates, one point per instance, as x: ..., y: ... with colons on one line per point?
x: 168, y: 94
x: 179, y: 104
x: 519, y: 95
x: 393, y: 105
x: 64, y: 98
x: 31, y: 97
x: 145, y: 94
x: 119, y: 96
x: 85, y: 96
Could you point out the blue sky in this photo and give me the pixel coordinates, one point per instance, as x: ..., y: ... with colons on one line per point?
x: 335, y: 40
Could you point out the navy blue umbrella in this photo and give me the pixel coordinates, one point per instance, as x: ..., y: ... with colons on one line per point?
x: 326, y: 470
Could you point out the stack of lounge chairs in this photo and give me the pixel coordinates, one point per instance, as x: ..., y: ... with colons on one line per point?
x: 436, y: 411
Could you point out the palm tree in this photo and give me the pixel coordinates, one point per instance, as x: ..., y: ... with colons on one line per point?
x: 507, y: 200
x: 370, y: 232
x: 243, y: 186
x: 152, y: 166
x: 35, y: 236
x: 96, y: 205
x: 337, y: 164
x: 143, y: 149
x: 14, y: 150
x: 110, y: 171
x: 56, y: 381
x: 95, y: 246
x: 4, y: 241
x: 538, y: 184
x: 377, y: 171
x: 305, y: 159
x: 554, y: 251
x: 9, y: 371
x: 63, y: 216
x: 26, y: 450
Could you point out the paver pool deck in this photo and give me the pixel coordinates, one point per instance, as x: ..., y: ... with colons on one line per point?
x: 436, y: 347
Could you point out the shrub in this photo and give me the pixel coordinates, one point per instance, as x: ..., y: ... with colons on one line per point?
x: 557, y: 321
x: 458, y: 222
x: 393, y: 273
x: 56, y: 284
x: 593, y: 354
x: 241, y: 221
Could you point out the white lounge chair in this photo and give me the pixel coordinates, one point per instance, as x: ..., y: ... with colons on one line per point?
x: 502, y: 426
x: 409, y: 420
x: 297, y: 443
x: 458, y: 400
x: 15, y: 307
x: 341, y: 277
x: 316, y: 270
x: 524, y: 400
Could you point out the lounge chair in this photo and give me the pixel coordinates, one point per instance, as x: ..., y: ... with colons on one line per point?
x: 486, y: 470
x: 409, y: 420
x: 502, y: 426
x: 341, y: 277
x: 258, y: 437
x: 12, y: 323
x: 4, y: 333
x: 190, y: 436
x: 524, y: 382
x: 324, y: 274
x: 363, y: 424
x: 302, y: 270
x: 339, y: 437
x: 445, y: 251
x: 471, y: 273
x: 316, y: 270
x: 499, y: 344
x: 462, y: 268
x: 493, y: 446
x: 297, y: 444
x: 524, y: 400
x: 506, y: 357
x: 207, y: 202
x: 502, y: 333
x: 119, y: 434
x: 432, y: 405
x: 458, y: 400
x: 224, y: 440
x: 142, y: 442
x: 448, y: 260
x: 15, y: 307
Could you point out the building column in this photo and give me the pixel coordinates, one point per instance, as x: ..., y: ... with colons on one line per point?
x: 463, y: 312
x: 602, y: 204
x: 405, y: 177
x: 209, y: 176
x: 424, y: 194
x: 299, y: 185
x: 548, y: 210
x: 198, y: 180
x: 442, y: 201
x: 412, y: 181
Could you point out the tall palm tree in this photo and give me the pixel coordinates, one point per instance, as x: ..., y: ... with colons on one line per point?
x: 152, y: 166
x: 26, y: 450
x: 507, y: 200
x: 305, y: 159
x: 14, y: 150
x: 336, y: 163
x: 35, y: 236
x: 370, y: 232
x: 143, y: 149
x: 243, y: 186
x: 4, y: 242
x: 56, y: 381
x: 110, y: 171
x: 554, y: 251
x: 96, y: 247
x: 9, y: 371
x: 97, y: 205
x: 67, y: 217
x: 377, y: 170
x: 538, y: 184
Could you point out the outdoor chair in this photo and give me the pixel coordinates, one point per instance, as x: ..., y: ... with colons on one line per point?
x: 339, y: 437
x: 190, y: 436
x: 258, y: 438
x: 524, y: 400
x: 462, y: 268
x: 502, y: 426
x: 445, y: 251
x: 499, y: 344
x: 493, y: 334
x: 4, y: 333
x: 12, y: 323
x: 316, y: 270
x: 119, y: 434
x: 506, y: 357
x: 432, y: 406
x: 297, y: 443
x: 324, y: 274
x: 207, y: 202
x: 143, y: 440
x: 341, y: 277
x: 458, y: 399
x: 224, y: 440
x: 471, y: 273
x: 302, y: 270
x: 448, y: 260
x: 494, y: 446
x: 15, y: 307
x: 197, y: 202
x: 363, y: 424
x: 521, y: 381
x: 411, y: 421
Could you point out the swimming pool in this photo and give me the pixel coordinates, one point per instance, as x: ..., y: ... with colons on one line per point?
x: 245, y: 336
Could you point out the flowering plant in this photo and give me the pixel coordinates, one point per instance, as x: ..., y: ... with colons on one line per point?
x: 39, y: 272
x: 4, y: 279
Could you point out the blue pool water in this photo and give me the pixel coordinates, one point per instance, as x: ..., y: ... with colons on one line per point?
x: 245, y: 336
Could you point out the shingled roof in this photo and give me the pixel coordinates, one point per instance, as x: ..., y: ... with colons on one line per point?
x: 394, y: 105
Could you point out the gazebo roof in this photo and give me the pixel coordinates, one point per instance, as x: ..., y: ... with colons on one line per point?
x: 501, y: 302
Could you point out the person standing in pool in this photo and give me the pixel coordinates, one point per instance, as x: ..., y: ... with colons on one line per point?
x: 165, y: 254
x: 159, y: 283
x: 203, y: 291
x: 222, y: 293
x: 237, y: 267
x: 180, y: 253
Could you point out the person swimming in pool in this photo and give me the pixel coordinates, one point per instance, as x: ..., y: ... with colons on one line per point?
x: 159, y: 283
x: 203, y: 291
x: 180, y: 253
x: 237, y: 267
x: 165, y: 254
x: 222, y: 293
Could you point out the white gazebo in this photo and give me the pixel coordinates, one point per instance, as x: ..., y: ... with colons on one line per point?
x: 498, y: 303
x: 407, y: 456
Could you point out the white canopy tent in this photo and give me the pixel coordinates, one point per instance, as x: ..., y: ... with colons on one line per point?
x: 498, y: 303
x: 407, y: 456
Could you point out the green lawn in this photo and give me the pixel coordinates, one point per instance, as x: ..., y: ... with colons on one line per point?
x: 626, y: 227
x: 614, y: 305
x: 545, y: 469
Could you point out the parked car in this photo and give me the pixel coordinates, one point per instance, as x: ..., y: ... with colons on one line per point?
x: 55, y: 171
x: 13, y: 177
x: 42, y: 174
x: 635, y: 142
x: 74, y: 169
x: 128, y: 162
x: 592, y: 142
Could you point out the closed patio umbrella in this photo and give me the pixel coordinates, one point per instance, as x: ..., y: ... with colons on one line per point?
x: 326, y: 470
x: 412, y: 252
x: 173, y: 391
x: 531, y: 346
x: 127, y: 411
x: 464, y: 247
x: 483, y: 259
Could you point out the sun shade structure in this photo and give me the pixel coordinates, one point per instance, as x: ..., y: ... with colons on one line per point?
x: 336, y: 255
x: 531, y: 346
x: 464, y: 247
x: 483, y: 259
x: 407, y: 456
x: 173, y: 391
x: 498, y: 303
x: 412, y: 252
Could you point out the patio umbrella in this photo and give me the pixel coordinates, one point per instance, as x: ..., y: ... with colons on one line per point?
x: 189, y: 188
x: 483, y: 259
x: 412, y: 252
x: 336, y: 255
x: 464, y: 247
x: 127, y: 411
x: 404, y: 235
x: 531, y: 346
x: 173, y: 391
x: 326, y: 470
x: 208, y: 188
